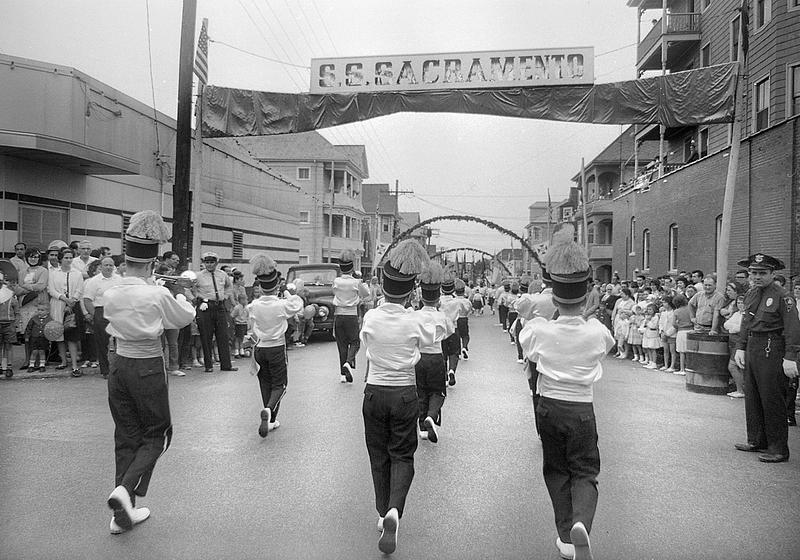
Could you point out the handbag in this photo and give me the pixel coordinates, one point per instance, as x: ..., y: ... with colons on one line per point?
x: 69, y: 319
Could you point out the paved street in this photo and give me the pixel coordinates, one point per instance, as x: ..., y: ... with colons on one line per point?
x: 671, y: 484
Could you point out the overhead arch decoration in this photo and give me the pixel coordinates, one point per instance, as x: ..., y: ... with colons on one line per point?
x: 459, y: 218
x: 474, y: 250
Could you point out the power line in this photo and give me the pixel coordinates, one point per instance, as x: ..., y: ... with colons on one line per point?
x: 210, y: 40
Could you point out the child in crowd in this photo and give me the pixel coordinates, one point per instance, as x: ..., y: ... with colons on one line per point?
x: 682, y: 320
x: 196, y: 347
x: 239, y: 316
x: 635, y: 336
x: 9, y: 315
x: 734, y: 325
x: 650, y: 338
x: 35, y: 339
x: 667, y: 332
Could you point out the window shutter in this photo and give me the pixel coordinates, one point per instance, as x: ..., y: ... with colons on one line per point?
x: 238, y: 252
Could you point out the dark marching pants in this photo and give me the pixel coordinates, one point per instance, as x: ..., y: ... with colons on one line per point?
x: 765, y: 388
x: 214, y: 322
x: 272, y: 376
x: 101, y: 339
x: 570, y: 461
x: 451, y: 349
x: 534, y: 376
x: 512, y: 316
x: 462, y: 327
x: 139, y: 403
x: 390, y: 429
x: 517, y: 330
x: 345, y: 329
x: 502, y: 311
x: 431, y: 387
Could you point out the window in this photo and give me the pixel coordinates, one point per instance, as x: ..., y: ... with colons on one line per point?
x: 304, y: 173
x: 39, y: 225
x: 706, y: 4
x: 590, y: 233
x: 763, y: 12
x: 385, y: 226
x: 717, y: 236
x: 646, y: 249
x: 705, y: 55
x: 348, y: 227
x: 302, y: 259
x: 735, y: 38
x: 793, y: 92
x: 673, y: 247
x: 632, y: 237
x: 566, y: 213
x: 304, y: 217
x: 238, y: 238
x: 703, y: 137
x: 794, y: 5
x: 126, y: 221
x: 761, y: 104
x: 338, y: 225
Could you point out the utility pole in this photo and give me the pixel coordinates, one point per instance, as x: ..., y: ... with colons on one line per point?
x: 183, y: 136
x: 397, y: 193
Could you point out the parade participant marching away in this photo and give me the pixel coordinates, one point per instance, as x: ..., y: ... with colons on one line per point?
x: 268, y: 317
x: 393, y: 338
x: 511, y: 302
x: 530, y: 307
x: 452, y: 307
x: 769, y: 341
x: 138, y: 312
x: 502, y: 305
x: 568, y: 352
x: 462, y: 325
x: 430, y: 370
x: 519, y: 322
x: 347, y: 295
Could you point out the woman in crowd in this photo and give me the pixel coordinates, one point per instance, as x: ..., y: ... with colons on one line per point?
x: 65, y: 286
x: 31, y: 290
x: 607, y: 301
x: 620, y: 318
x: 733, y: 325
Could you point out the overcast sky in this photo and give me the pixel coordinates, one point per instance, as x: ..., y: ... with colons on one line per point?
x: 491, y: 167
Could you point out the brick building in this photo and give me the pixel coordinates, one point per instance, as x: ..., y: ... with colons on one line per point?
x: 668, y: 216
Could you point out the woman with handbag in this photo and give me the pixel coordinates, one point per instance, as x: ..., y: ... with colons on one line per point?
x: 65, y: 286
x: 31, y: 290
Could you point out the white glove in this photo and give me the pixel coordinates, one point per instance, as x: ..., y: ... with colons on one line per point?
x: 789, y: 368
x: 203, y: 306
x: 287, y: 294
x: 181, y: 298
x: 739, y: 358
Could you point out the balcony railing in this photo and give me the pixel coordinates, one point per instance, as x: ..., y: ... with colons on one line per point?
x: 677, y: 24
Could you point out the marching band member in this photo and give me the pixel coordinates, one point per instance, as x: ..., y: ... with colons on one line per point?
x: 430, y: 370
x: 347, y: 295
x: 568, y: 352
x: 462, y: 325
x: 268, y: 316
x: 138, y: 312
x: 454, y: 308
x: 393, y: 337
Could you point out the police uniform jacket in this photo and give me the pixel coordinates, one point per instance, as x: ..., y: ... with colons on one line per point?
x: 771, y: 310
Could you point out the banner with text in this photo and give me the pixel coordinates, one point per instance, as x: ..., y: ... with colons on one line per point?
x: 534, y: 67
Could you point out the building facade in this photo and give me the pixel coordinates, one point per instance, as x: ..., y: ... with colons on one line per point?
x: 78, y: 158
x: 331, y: 214
x: 380, y: 223
x: 667, y: 218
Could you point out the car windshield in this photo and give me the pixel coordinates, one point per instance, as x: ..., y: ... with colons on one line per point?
x: 323, y: 277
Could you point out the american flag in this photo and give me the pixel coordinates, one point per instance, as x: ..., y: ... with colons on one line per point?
x: 201, y: 55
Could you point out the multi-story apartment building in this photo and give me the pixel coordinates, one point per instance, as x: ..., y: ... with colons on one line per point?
x: 668, y: 218
x: 543, y: 217
x: 382, y: 217
x: 329, y: 177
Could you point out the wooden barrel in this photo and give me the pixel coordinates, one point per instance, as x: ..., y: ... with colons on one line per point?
x: 707, y: 363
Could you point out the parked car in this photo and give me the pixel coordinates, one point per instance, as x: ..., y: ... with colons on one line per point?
x: 318, y: 278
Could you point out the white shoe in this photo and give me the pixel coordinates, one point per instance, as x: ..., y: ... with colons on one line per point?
x: 274, y: 425
x: 670, y: 370
x: 651, y: 365
x: 120, y: 502
x: 565, y: 550
x: 197, y: 364
x: 342, y: 379
x: 380, y: 524
x: 139, y: 515
x: 520, y: 361
x: 348, y: 376
x: 177, y: 373
x: 423, y: 435
x: 580, y: 540
x: 266, y: 417
x: 388, y: 541
x: 736, y: 395
x: 679, y: 372
x: 433, y: 435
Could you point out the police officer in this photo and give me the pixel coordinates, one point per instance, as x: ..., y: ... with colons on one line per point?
x: 212, y: 288
x: 138, y: 312
x: 769, y: 342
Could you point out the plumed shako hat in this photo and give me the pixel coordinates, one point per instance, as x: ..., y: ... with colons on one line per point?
x: 568, y: 266
x: 346, y: 261
x: 263, y: 267
x: 145, y: 233
x: 400, y: 270
x: 430, y: 282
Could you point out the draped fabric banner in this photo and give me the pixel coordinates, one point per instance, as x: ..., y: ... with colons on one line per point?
x: 694, y: 97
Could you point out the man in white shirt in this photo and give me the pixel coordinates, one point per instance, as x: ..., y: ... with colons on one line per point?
x: 138, y: 312
x: 348, y: 292
x: 18, y: 260
x: 84, y: 258
x: 93, y: 291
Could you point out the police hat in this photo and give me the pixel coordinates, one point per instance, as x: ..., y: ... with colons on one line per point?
x: 210, y: 255
x: 762, y: 261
